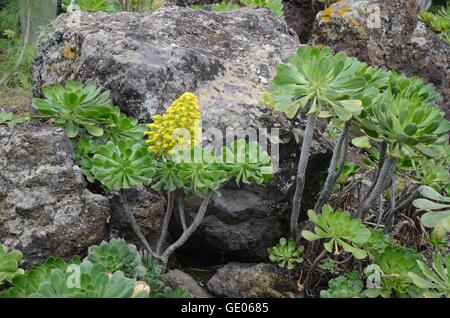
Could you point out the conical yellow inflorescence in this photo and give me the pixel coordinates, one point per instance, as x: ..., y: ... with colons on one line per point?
x: 179, y: 126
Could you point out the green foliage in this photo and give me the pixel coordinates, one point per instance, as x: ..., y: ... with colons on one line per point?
x: 395, y: 264
x: 286, y: 253
x: 11, y: 120
x: 10, y: 50
x: 437, y: 238
x: 326, y: 82
x: 435, y: 281
x: 439, y: 21
x: 224, y: 6
x: 94, y: 282
x: 247, y: 162
x: 350, y: 170
x: 406, y: 124
x: 199, y: 171
x: 438, y: 208
x: 345, y: 286
x: 276, y: 6
x: 9, y: 264
x: 377, y: 243
x: 156, y: 280
x: 89, y: 5
x: 75, y: 106
x: 340, y: 229
x: 111, y: 270
x: 117, y: 255
x: 27, y: 284
x: 122, y: 165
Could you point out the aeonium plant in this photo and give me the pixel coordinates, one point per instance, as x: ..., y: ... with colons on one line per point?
x: 325, y: 85
x: 404, y: 124
x: 174, y: 162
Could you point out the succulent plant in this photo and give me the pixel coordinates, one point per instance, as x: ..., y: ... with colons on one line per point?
x: 75, y: 106
x: 406, y: 124
x: 117, y: 255
x: 28, y: 283
x: 320, y: 79
x: 438, y: 208
x: 395, y: 264
x: 345, y: 286
x: 9, y: 264
x: 122, y: 165
x: 340, y: 230
x: 436, y: 280
x: 10, y: 119
x: 247, y: 162
x: 377, y: 243
x: 94, y: 282
x: 224, y: 6
x: 276, y: 6
x: 286, y: 253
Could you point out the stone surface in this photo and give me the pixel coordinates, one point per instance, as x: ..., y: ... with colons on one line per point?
x: 237, y: 280
x: 226, y: 59
x: 45, y: 208
x: 387, y: 33
x: 300, y: 16
x: 148, y: 209
x: 180, y: 279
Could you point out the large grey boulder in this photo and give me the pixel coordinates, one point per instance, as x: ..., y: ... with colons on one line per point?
x: 387, y: 33
x: 237, y: 280
x: 45, y: 208
x: 226, y: 59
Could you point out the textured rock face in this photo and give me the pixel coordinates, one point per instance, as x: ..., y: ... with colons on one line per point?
x: 300, y: 15
x: 45, y: 208
x: 177, y: 278
x: 148, y: 209
x: 226, y: 59
x: 237, y: 280
x: 387, y: 33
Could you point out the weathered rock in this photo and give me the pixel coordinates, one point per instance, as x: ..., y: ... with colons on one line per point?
x: 148, y: 209
x: 236, y: 280
x: 300, y: 16
x: 387, y: 33
x: 227, y: 59
x: 45, y: 208
x: 179, y: 279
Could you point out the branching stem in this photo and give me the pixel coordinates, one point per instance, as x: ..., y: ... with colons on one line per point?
x: 339, y: 157
x: 191, y: 229
x: 134, y: 225
x: 378, y: 188
x: 301, y: 171
x: 166, y: 222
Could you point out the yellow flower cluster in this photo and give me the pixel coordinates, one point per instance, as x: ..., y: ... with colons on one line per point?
x: 179, y: 126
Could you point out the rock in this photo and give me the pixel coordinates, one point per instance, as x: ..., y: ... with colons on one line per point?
x: 236, y: 280
x: 227, y: 59
x: 148, y: 209
x: 387, y: 33
x: 300, y: 16
x: 179, y: 279
x: 45, y: 208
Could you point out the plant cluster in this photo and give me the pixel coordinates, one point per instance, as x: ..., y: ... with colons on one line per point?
x: 110, y: 5
x: 286, y: 253
x: 394, y: 119
x: 111, y: 270
x: 276, y: 6
x: 438, y: 21
x: 111, y: 150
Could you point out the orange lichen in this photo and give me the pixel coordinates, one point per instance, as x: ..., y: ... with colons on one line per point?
x: 68, y: 53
